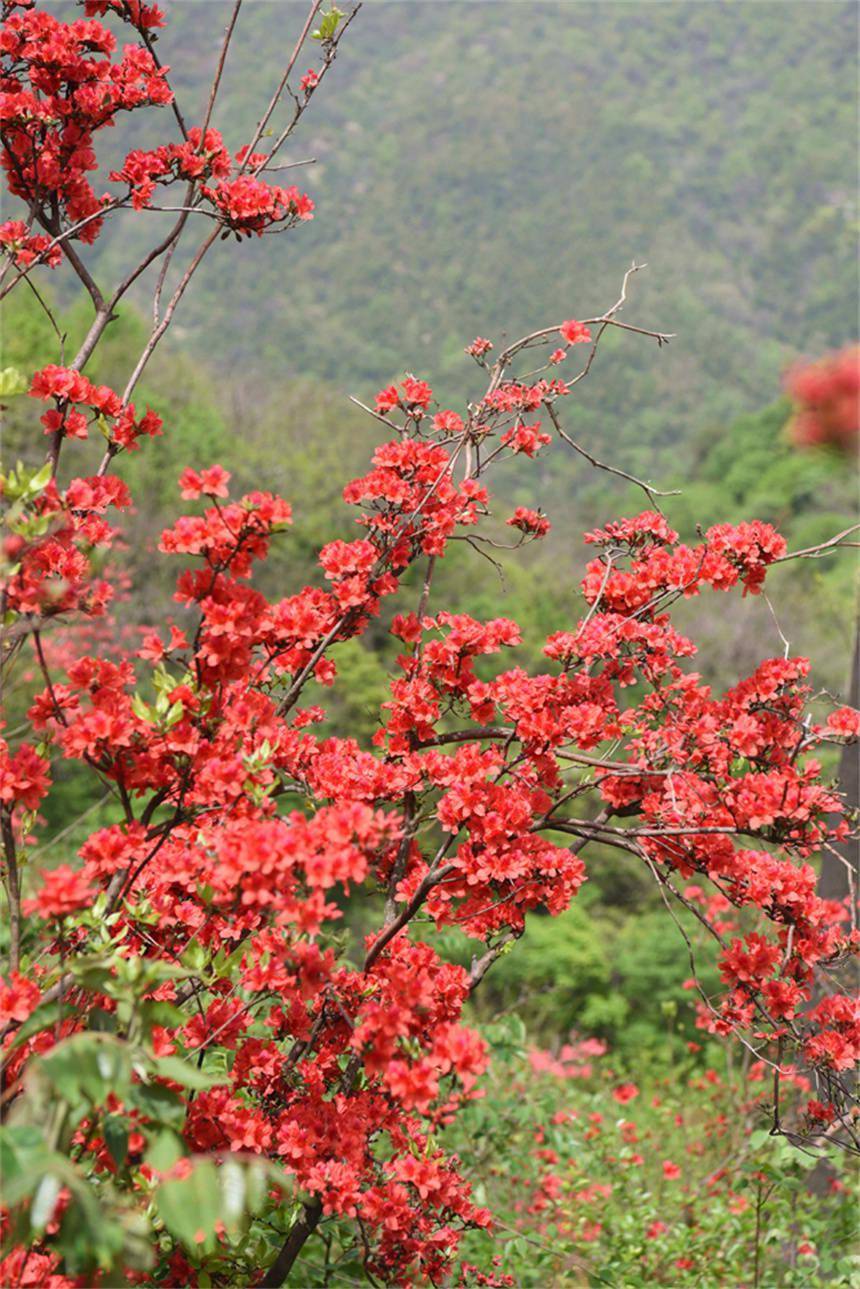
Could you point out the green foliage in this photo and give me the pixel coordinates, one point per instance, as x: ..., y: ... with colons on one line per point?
x: 577, y: 1182
x: 601, y: 970
x: 503, y: 172
x: 212, y: 1198
x: 328, y: 25
x: 96, y: 1085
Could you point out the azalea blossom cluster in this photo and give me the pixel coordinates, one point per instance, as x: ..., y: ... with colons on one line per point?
x: 58, y: 88
x: 61, y: 84
x: 244, y: 202
x: 70, y: 392
x: 195, y: 944
x: 51, y: 548
x: 26, y: 248
x: 826, y: 397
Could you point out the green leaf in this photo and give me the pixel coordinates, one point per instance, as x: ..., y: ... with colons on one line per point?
x: 116, y: 1138
x: 174, y: 714
x: 191, y: 1206
x: 21, y: 1145
x: 195, y: 956
x: 40, y: 479
x: 160, y: 1012
x: 140, y: 708
x: 103, y: 1022
x: 185, y: 1073
x: 42, y: 1018
x: 164, y: 1151
x: 45, y: 1201
x: 759, y: 1138
x: 93, y: 974
x: 328, y: 26
x: 12, y: 382
x: 88, y: 1066
x: 161, y: 1105
x: 89, y: 1237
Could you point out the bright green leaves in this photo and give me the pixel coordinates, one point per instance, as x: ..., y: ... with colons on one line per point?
x: 22, y: 1148
x: 201, y: 1200
x: 129, y: 981
x: 162, y: 712
x: 43, y: 1017
x: 200, y: 1203
x: 329, y: 24
x: 90, y: 1235
x: 85, y: 1069
x: 212, y: 1198
x: 186, y: 1074
x: 87, y: 1075
x: 12, y: 383
x: 21, y: 484
x: 97, y: 1085
x: 20, y: 487
x: 191, y: 1206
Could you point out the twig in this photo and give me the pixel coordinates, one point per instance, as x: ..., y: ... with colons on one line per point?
x: 275, y: 99
x: 601, y: 465
x: 813, y: 552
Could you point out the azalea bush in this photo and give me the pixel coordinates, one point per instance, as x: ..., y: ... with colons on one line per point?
x: 207, y: 1073
x: 670, y: 1177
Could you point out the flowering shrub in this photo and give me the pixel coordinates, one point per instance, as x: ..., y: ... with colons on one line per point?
x: 200, y: 1068
x: 826, y: 397
x: 597, y: 1178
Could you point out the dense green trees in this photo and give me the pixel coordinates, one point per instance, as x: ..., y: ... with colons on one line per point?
x: 487, y: 165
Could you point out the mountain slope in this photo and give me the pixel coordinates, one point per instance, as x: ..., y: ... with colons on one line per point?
x: 497, y: 166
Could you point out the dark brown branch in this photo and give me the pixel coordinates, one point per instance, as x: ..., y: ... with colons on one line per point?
x: 293, y: 1245
x: 650, y: 491
x: 13, y: 890
x: 433, y: 878
x: 480, y: 966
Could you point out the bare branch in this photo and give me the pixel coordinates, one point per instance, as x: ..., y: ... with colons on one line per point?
x: 814, y: 552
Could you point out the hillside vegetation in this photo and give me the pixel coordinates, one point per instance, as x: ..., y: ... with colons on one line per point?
x: 488, y: 167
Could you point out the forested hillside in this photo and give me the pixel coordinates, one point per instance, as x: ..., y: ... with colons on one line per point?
x: 495, y: 166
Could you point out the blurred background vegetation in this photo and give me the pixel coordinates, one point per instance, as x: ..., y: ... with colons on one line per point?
x: 488, y: 169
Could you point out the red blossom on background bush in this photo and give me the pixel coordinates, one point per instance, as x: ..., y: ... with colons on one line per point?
x: 826, y: 396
